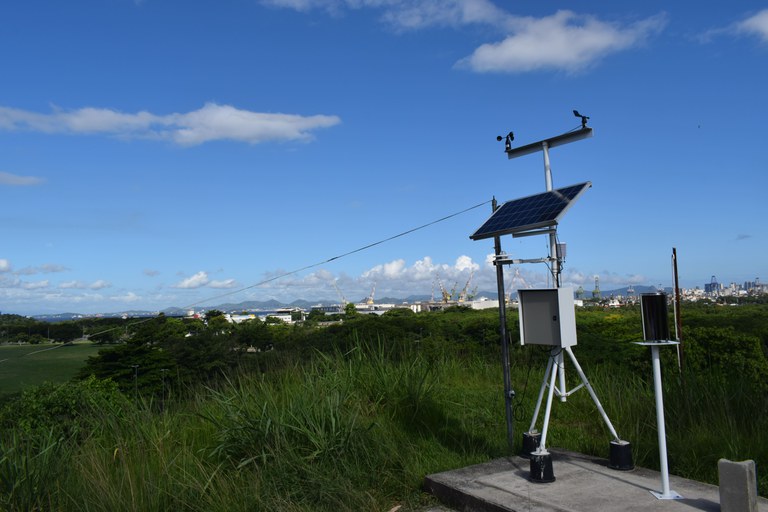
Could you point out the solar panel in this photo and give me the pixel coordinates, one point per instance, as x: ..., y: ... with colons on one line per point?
x: 529, y: 213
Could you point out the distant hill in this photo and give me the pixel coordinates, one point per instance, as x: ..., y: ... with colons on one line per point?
x: 272, y: 304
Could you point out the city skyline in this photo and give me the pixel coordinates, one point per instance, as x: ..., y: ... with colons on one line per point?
x: 164, y: 154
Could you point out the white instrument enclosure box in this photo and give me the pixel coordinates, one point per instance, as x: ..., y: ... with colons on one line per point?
x: 547, y: 317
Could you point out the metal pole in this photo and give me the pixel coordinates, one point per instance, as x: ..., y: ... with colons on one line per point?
x: 550, y: 362
x: 560, y: 360
x: 547, y: 168
x: 508, y: 392
x: 666, y: 493
x: 678, y: 319
x: 542, y: 444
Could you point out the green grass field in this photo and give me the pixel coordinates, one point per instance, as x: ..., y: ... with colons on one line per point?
x: 22, y: 366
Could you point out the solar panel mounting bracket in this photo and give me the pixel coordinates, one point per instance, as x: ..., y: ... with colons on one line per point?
x: 515, y: 261
x: 548, y: 231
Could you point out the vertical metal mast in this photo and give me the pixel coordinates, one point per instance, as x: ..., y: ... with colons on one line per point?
x: 508, y: 392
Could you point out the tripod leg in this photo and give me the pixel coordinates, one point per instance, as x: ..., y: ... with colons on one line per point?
x: 592, y: 393
x: 541, y: 395
x: 543, y: 445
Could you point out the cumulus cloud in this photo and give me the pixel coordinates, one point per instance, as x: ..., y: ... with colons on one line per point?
x: 408, y: 14
x: 209, y: 123
x: 79, y: 285
x: 5, y: 265
x: 465, y: 263
x: 195, y: 281
x: 15, y: 180
x: 756, y: 25
x: 127, y: 297
x: 425, y: 13
x: 396, y: 277
x: 100, y: 284
x: 565, y: 40
x: 226, y: 283
x: 48, y: 268
x: 35, y: 286
x: 576, y: 278
x: 72, y: 285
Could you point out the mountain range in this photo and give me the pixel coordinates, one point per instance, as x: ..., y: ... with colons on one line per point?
x: 272, y: 304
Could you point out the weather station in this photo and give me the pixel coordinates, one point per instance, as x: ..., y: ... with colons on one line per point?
x: 547, y: 316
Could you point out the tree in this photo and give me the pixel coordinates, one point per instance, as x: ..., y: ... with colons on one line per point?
x: 213, y: 313
x: 350, y: 311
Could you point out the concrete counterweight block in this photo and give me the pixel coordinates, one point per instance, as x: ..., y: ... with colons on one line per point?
x: 531, y: 441
x: 738, y: 486
x: 541, y: 467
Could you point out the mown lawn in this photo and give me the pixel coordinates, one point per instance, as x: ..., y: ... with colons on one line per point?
x: 22, y: 366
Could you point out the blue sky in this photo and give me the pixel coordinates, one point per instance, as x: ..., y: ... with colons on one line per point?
x: 162, y: 153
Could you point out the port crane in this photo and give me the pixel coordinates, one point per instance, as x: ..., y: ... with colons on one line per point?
x: 463, y: 295
x: 341, y: 295
x: 443, y: 291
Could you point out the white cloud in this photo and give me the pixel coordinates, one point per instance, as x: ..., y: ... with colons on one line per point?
x: 209, y: 123
x: 425, y: 13
x: 465, y: 263
x: 127, y: 297
x: 217, y: 122
x: 72, y: 285
x: 16, y: 180
x: 756, y: 25
x: 408, y: 14
x: 100, y: 284
x: 35, y: 286
x: 226, y: 283
x: 48, y: 268
x: 562, y: 41
x: 565, y: 41
x: 424, y: 269
x: 576, y: 278
x: 5, y: 265
x: 195, y: 281
x: 396, y: 277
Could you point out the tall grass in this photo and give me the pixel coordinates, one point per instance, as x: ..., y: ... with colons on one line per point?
x: 357, y: 429
x: 29, y: 465
x: 706, y: 418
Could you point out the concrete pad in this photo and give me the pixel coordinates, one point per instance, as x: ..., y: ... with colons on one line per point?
x: 583, y: 484
x: 738, y: 485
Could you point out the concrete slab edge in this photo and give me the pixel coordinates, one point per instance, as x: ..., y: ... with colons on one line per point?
x: 457, y: 499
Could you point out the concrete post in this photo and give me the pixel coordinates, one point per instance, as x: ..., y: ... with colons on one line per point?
x: 738, y: 486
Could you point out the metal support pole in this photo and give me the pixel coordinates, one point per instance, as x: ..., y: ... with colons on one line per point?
x: 562, y: 392
x: 550, y: 363
x: 666, y: 493
x: 508, y: 392
x: 547, y: 168
x: 678, y: 321
x: 543, y: 444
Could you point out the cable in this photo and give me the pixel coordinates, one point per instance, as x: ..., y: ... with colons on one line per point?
x: 360, y: 249
x: 317, y: 264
